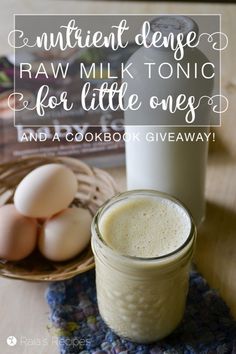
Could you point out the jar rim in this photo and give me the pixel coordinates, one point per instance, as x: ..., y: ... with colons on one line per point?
x: 144, y: 192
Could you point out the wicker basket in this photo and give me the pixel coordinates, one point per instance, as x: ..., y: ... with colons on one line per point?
x: 95, y: 186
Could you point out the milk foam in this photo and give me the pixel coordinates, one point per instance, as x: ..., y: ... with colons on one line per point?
x: 145, y: 227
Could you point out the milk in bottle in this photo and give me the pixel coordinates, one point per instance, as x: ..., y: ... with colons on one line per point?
x: 156, y: 161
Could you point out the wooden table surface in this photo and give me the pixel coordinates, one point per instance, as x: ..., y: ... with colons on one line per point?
x: 23, y: 310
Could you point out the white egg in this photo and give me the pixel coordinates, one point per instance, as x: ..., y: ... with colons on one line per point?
x: 66, y: 234
x: 45, y: 191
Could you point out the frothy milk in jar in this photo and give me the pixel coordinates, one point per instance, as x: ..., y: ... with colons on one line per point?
x: 143, y: 243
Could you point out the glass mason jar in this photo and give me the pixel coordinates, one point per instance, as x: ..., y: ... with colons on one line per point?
x: 142, y: 299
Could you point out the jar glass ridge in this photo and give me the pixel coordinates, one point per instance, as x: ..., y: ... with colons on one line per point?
x: 142, y: 299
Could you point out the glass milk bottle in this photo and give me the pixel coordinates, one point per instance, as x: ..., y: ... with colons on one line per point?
x: 155, y: 160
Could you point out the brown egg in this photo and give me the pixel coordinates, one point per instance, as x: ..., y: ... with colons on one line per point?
x: 18, y: 234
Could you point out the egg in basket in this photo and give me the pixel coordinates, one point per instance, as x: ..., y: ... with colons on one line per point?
x: 47, y: 205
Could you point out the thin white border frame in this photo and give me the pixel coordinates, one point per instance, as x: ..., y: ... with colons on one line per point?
x: 125, y: 14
